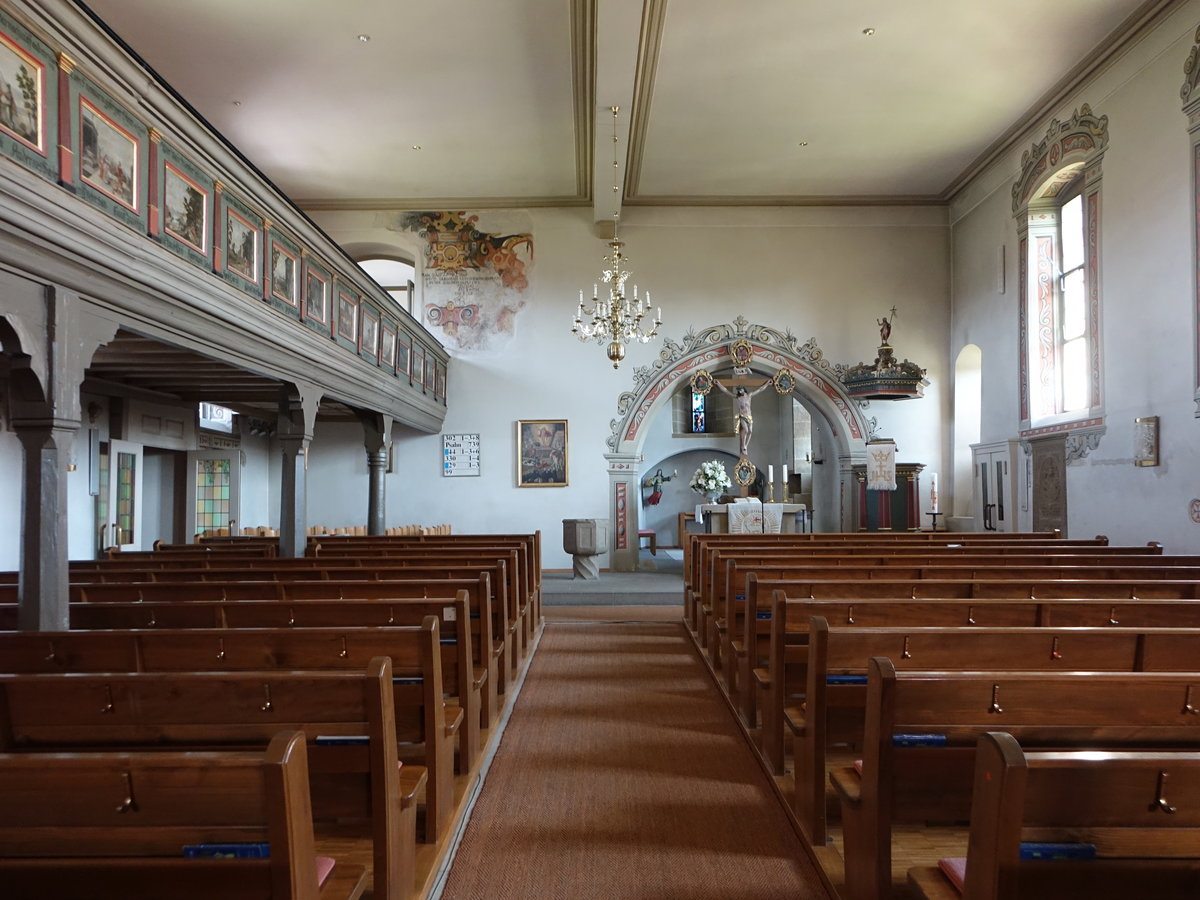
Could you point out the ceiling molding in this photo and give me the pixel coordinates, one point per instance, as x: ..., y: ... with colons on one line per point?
x: 1131, y: 30
x: 389, y: 204
x: 654, y: 14
x: 583, y: 56
x: 792, y: 200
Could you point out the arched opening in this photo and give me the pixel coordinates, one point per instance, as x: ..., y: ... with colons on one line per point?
x: 966, y: 428
x: 838, y: 430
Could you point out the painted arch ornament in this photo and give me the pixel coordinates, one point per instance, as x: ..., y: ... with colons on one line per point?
x: 1189, y: 93
x: 710, y: 347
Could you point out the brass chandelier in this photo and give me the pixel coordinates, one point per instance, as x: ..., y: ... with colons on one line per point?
x: 617, y: 319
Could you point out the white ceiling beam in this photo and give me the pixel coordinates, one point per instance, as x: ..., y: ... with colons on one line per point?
x: 618, y: 31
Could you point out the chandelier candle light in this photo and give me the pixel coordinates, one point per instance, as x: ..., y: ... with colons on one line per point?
x: 615, y: 319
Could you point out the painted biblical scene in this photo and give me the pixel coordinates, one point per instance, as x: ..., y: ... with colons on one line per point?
x: 108, y: 156
x: 284, y: 267
x: 542, y: 453
x: 476, y: 275
x: 185, y: 209
x: 241, y: 247
x: 20, y: 94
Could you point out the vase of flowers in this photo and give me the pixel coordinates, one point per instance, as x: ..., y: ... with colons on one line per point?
x: 710, y: 479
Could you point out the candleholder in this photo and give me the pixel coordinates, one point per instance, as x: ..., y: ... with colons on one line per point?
x: 770, y: 492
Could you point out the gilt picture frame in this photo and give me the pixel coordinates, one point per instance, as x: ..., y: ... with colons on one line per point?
x: 541, y: 453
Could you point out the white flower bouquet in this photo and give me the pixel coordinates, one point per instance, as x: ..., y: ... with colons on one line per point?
x: 710, y: 478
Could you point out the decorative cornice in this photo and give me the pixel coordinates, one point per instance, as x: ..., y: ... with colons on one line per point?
x: 1081, y: 139
x: 66, y: 64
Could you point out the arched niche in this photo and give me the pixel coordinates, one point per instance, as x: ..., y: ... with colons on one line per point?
x: 818, y: 382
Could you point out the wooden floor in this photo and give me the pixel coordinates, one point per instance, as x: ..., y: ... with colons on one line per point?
x: 350, y: 842
x: 911, y: 845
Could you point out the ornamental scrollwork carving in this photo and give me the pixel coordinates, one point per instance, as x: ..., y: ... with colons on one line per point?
x: 1081, y: 139
x: 710, y: 345
x: 1191, y: 74
x: 1082, y: 442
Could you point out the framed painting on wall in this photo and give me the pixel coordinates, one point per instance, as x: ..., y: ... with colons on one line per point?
x: 316, y: 295
x: 387, y: 346
x: 347, y: 316
x: 285, y: 274
x: 185, y: 209
x: 22, y: 97
x: 241, y: 245
x: 108, y: 156
x: 542, y: 453
x: 403, y: 354
x: 369, y: 343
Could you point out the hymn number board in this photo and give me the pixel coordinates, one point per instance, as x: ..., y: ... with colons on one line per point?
x: 460, y: 454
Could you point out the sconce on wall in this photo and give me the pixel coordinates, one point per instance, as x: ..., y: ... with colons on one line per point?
x: 1145, y: 441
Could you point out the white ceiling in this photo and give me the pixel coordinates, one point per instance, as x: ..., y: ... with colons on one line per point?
x: 509, y: 100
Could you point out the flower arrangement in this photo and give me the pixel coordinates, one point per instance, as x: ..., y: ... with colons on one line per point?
x: 710, y: 478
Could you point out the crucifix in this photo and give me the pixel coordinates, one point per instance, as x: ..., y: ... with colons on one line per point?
x: 743, y: 421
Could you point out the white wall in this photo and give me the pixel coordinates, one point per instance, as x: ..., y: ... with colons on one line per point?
x: 823, y: 273
x: 1147, y: 314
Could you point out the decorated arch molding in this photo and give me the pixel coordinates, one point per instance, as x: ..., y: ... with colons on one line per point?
x: 1189, y: 93
x: 818, y: 379
x: 1049, y: 165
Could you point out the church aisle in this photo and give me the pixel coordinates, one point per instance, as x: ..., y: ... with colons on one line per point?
x: 622, y: 774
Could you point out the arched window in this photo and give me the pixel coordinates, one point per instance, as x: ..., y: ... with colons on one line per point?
x: 395, y: 276
x: 1056, y: 202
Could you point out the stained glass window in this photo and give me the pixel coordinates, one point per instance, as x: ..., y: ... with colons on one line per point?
x: 212, y: 494
x: 102, y: 504
x: 126, y: 487
x: 698, y: 425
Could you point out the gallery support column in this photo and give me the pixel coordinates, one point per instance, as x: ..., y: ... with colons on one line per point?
x: 298, y: 406
x: 377, y: 437
x: 43, y: 588
x: 50, y: 336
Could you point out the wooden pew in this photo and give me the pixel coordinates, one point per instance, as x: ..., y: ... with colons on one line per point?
x: 462, y: 678
x: 1141, y: 812
x: 1049, y: 584
x: 834, y: 713
x: 528, y: 547
x: 921, y: 784
x: 425, y: 726
x: 111, y: 826
x: 155, y: 712
x: 785, y: 622
x: 506, y: 611
x: 145, y: 603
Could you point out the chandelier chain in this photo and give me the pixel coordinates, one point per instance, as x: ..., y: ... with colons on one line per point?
x: 617, y: 319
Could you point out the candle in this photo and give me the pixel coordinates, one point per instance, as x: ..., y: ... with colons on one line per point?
x: 770, y: 473
x: 785, y: 475
x: 933, y: 493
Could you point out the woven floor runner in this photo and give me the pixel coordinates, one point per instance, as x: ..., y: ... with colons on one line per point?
x: 623, y: 775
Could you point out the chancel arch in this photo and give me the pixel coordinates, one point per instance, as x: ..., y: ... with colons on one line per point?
x: 817, y: 383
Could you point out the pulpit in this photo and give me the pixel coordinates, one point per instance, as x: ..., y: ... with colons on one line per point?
x: 898, y: 510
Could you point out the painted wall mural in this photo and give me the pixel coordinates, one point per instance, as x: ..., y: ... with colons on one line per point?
x: 476, y: 274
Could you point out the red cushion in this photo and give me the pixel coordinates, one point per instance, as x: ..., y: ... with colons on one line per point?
x: 955, y: 869
x: 324, y: 867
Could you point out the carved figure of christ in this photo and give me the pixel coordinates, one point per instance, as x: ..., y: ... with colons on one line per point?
x: 743, y: 421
